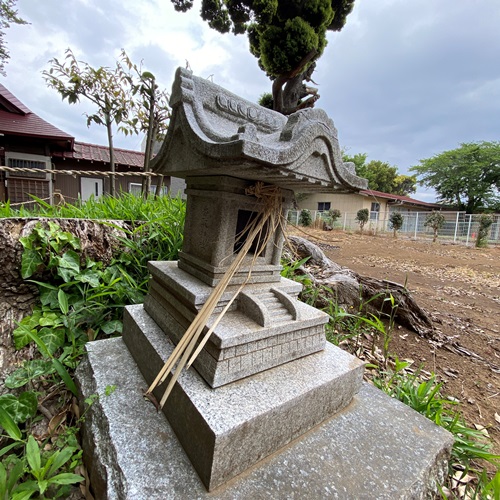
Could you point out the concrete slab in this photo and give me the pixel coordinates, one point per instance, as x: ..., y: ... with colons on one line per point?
x: 375, y: 448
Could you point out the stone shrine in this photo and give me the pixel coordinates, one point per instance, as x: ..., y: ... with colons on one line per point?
x: 266, y: 378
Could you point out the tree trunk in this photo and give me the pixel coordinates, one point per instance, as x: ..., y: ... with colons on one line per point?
x: 146, y: 183
x: 286, y: 100
x: 112, y: 180
x: 352, y: 291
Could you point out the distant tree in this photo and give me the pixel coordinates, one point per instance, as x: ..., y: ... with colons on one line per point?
x: 396, y: 222
x: 467, y: 177
x: 109, y: 89
x: 435, y: 220
x: 151, y: 113
x: 382, y: 176
x: 8, y: 16
x: 359, y: 160
x: 485, y: 222
x: 286, y: 37
x: 305, y: 218
x: 266, y: 100
x: 404, y: 185
x: 362, y: 218
x: 334, y: 214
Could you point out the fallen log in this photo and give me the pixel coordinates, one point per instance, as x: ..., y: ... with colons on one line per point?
x: 352, y: 291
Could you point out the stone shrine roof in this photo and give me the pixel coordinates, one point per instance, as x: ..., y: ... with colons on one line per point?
x: 215, y: 132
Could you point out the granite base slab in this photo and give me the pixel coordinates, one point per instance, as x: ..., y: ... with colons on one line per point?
x: 375, y: 448
x: 227, y: 430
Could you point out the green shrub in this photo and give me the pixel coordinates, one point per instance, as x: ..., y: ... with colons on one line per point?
x: 435, y: 220
x: 362, y: 218
x: 485, y: 222
x: 305, y: 218
x: 396, y: 222
x: 334, y: 214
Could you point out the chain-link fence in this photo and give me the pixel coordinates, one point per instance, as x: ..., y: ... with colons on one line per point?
x: 459, y: 227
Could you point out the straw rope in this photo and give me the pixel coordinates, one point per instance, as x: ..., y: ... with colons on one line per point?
x: 263, y: 227
x: 100, y: 173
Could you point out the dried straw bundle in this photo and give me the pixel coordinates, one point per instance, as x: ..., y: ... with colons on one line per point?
x: 262, y: 229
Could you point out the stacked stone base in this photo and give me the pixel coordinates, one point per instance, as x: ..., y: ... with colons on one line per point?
x: 265, y: 325
x: 376, y: 447
x: 225, y: 431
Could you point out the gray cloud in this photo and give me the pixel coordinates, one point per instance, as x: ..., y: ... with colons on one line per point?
x: 406, y: 80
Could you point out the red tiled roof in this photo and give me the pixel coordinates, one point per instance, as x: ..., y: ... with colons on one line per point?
x: 11, y: 102
x: 17, y: 119
x: 396, y: 198
x: 97, y: 153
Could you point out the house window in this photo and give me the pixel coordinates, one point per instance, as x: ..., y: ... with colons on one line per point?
x: 35, y: 162
x: 136, y: 188
x: 375, y: 211
x: 324, y: 206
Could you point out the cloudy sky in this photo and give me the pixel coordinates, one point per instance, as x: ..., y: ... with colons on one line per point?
x: 403, y: 81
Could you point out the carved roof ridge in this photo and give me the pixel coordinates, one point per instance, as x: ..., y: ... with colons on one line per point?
x: 214, y: 131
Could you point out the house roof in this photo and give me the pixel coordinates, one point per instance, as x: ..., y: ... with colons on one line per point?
x: 17, y: 119
x: 97, y: 153
x: 397, y: 199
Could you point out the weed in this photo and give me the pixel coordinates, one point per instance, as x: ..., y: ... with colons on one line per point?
x: 79, y: 300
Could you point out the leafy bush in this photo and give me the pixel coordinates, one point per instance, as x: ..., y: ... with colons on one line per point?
x: 485, y: 222
x: 435, y: 220
x: 396, y: 221
x: 305, y: 218
x: 362, y: 217
x: 334, y: 214
x: 266, y: 100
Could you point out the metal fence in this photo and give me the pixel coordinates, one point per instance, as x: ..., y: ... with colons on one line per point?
x: 459, y: 227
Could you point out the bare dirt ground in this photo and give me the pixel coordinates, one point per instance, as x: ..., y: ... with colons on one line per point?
x: 459, y: 287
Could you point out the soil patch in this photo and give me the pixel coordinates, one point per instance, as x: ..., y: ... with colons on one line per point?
x: 459, y: 287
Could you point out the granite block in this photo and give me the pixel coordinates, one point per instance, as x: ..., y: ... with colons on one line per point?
x: 375, y: 448
x: 243, y: 422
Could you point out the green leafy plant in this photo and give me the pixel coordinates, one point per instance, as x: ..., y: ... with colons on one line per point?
x: 425, y: 397
x: 305, y: 218
x: 334, y: 214
x: 77, y: 301
x: 396, y: 222
x: 21, y: 407
x: 37, y: 473
x: 435, y: 220
x: 485, y: 222
x: 362, y: 217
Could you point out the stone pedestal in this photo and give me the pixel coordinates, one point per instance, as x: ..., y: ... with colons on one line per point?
x: 265, y: 327
x: 376, y: 447
x: 225, y: 431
